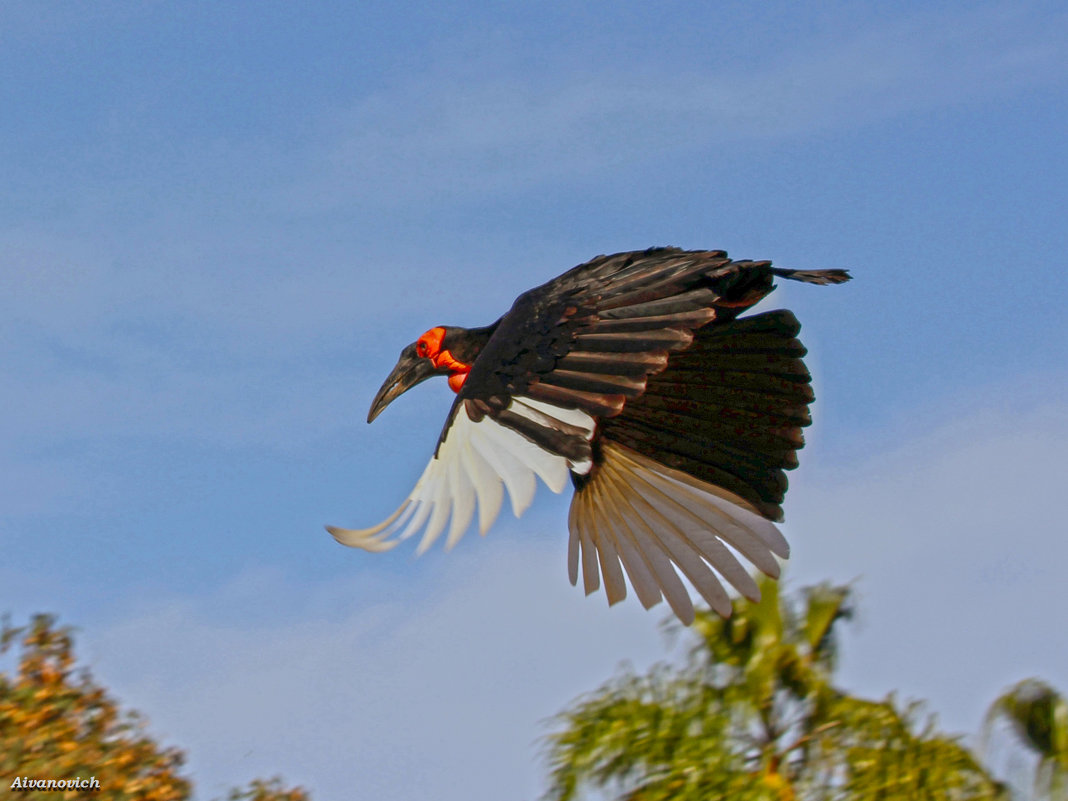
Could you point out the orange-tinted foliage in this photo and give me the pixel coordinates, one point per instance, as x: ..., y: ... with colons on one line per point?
x: 57, y: 723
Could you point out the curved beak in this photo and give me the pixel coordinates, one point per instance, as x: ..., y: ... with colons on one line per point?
x: 409, y: 371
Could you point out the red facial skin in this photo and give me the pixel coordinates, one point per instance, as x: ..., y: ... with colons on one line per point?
x: 429, y: 347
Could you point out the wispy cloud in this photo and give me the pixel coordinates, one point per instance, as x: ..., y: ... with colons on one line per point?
x: 954, y: 538
x: 435, y: 686
x: 181, y: 313
x: 448, y: 137
x: 236, y: 288
x: 374, y: 689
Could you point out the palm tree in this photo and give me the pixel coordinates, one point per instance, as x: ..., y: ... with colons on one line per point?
x: 753, y: 715
x: 1038, y: 715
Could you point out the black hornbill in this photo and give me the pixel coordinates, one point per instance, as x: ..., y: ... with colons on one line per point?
x: 634, y: 376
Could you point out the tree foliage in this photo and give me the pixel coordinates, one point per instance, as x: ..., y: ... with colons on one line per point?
x: 753, y: 715
x: 271, y: 790
x: 1038, y: 715
x: 56, y: 722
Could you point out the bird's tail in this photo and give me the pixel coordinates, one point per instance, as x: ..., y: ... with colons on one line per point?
x: 823, y: 277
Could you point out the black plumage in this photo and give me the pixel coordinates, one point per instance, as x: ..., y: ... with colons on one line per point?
x: 670, y: 411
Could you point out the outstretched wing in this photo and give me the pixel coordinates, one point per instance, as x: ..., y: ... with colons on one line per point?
x: 476, y: 460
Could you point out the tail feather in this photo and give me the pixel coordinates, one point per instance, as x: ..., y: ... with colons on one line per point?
x: 822, y: 277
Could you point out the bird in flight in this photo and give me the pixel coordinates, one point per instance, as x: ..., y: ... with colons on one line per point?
x: 634, y: 376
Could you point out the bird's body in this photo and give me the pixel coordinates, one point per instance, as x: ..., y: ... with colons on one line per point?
x: 633, y: 376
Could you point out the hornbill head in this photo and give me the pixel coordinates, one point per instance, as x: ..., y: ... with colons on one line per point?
x: 443, y: 350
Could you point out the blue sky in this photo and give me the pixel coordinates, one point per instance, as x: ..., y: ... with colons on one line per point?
x: 219, y: 225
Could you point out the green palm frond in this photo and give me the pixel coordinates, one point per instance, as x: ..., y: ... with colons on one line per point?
x: 1038, y: 716
x: 753, y: 715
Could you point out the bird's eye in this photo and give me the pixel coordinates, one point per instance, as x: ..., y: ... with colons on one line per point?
x: 421, y: 348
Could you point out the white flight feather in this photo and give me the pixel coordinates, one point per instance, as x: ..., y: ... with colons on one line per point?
x: 487, y: 484
x: 423, y: 509
x: 463, y: 496
x: 730, y: 512
x: 657, y: 559
x: 704, y: 534
x: 573, y: 543
x: 654, y: 519
x: 572, y: 417
x: 549, y: 468
x: 439, y: 504
x: 493, y: 442
x: 686, y: 553
x: 680, y: 550
x: 590, y: 577
x: 641, y: 573
x: 503, y: 464
x: 615, y: 585
x: 737, y: 510
x: 547, y: 415
x: 475, y: 463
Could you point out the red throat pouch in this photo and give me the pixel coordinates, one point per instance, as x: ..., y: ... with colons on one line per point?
x: 429, y: 346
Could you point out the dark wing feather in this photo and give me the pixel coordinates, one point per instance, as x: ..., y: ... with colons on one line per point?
x: 645, y: 302
x: 741, y: 394
x: 601, y: 336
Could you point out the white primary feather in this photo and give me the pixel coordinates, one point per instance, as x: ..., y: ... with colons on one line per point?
x: 476, y: 462
x: 487, y: 486
x: 574, y: 420
x: 572, y: 417
x: 573, y: 543
x: 650, y: 518
x: 495, y: 442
